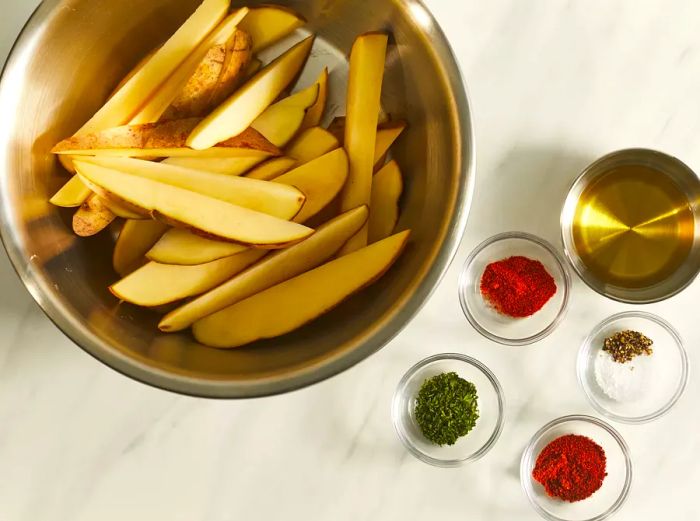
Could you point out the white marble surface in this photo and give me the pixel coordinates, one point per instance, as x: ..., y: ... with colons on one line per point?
x: 554, y: 84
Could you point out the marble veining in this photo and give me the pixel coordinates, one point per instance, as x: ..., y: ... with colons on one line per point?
x: 554, y: 84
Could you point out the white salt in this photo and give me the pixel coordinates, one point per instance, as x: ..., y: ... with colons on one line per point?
x: 622, y: 382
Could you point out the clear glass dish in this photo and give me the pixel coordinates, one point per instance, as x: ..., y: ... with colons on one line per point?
x: 496, y: 326
x: 491, y: 410
x: 616, y: 486
x: 664, y: 373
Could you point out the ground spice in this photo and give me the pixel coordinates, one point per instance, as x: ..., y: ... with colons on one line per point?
x: 517, y: 286
x: 625, y: 345
x: 571, y: 468
x: 446, y: 408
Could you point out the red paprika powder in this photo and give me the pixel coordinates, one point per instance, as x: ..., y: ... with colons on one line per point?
x: 517, y: 286
x: 571, y: 468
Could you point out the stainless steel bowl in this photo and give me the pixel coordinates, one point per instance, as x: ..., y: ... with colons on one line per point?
x: 689, y: 184
x: 69, y: 56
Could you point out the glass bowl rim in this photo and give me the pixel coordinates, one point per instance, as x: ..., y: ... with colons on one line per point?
x: 400, y: 391
x: 526, y: 478
x: 678, y: 341
x: 464, y: 282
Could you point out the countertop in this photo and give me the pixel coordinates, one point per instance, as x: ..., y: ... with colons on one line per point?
x: 554, y: 84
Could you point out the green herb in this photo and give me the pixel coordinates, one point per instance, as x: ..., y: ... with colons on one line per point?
x: 625, y: 345
x: 446, y: 408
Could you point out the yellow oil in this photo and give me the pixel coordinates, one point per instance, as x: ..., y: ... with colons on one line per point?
x: 633, y: 227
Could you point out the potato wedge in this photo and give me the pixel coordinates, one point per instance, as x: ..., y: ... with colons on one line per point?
x: 296, y: 302
x: 184, y: 248
x: 272, y: 270
x: 312, y: 143
x: 157, y: 284
x: 216, y: 165
x: 142, y: 62
x: 123, y: 211
x: 240, y: 110
x: 92, y: 217
x: 281, y: 122
x: 154, y: 109
x: 387, y: 134
x: 275, y: 199
x: 205, y: 215
x: 269, y: 24
x: 239, y: 57
x: 135, y: 239
x: 314, y: 115
x: 387, y: 186
x: 272, y: 168
x: 363, y: 105
x: 72, y: 194
x: 163, y: 139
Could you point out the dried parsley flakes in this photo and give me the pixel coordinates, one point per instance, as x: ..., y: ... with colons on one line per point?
x: 446, y: 408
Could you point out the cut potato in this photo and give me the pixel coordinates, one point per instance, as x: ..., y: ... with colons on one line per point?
x: 280, y: 122
x: 239, y: 54
x: 92, y: 217
x: 363, y: 105
x: 295, y: 302
x: 181, y: 247
x: 168, y: 93
x: 387, y: 186
x: 163, y: 139
x: 135, y: 239
x: 269, y: 24
x: 133, y: 72
x: 272, y: 168
x: 240, y: 110
x: 282, y: 201
x: 72, y: 194
x: 272, y: 270
x: 205, y: 215
x: 216, y: 165
x: 311, y: 144
x: 320, y: 180
x: 387, y: 134
x: 314, y: 115
x: 122, y: 211
x: 158, y: 284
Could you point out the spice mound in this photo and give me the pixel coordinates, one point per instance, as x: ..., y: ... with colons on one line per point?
x: 571, y: 468
x: 446, y: 408
x: 626, y: 345
x: 517, y: 286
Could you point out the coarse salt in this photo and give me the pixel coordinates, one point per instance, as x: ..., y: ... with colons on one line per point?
x: 622, y: 382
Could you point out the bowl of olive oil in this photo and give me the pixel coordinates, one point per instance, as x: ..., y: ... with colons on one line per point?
x: 631, y: 226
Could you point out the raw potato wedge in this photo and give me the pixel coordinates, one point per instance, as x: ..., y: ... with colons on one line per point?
x: 163, y: 139
x: 281, y: 201
x: 320, y: 181
x: 314, y: 115
x: 216, y: 165
x: 240, y: 110
x: 281, y: 121
x: 387, y: 186
x: 184, y: 248
x: 205, y: 215
x: 272, y: 168
x: 363, y: 105
x: 272, y: 270
x: 168, y: 93
x: 133, y: 72
x: 296, y: 302
x: 311, y: 144
x: 158, y: 284
x: 92, y: 217
x: 269, y: 24
x: 72, y: 194
x: 135, y: 239
x: 239, y: 56
x: 387, y: 134
x: 122, y: 211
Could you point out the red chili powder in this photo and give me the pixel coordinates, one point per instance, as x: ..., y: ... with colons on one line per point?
x: 517, y: 286
x: 571, y: 468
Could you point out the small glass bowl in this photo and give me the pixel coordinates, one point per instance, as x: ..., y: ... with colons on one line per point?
x: 668, y: 361
x: 491, y: 410
x: 616, y: 485
x: 494, y: 325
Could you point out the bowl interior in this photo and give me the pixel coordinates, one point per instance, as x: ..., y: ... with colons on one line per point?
x: 482, y: 436
x: 495, y: 325
x: 72, y: 54
x: 616, y: 484
x: 661, y: 377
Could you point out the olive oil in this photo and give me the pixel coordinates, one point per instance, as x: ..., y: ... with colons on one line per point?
x: 633, y: 227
